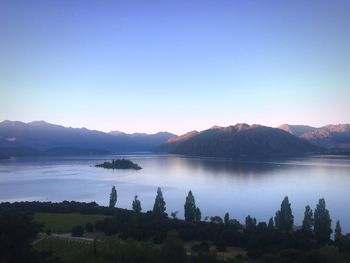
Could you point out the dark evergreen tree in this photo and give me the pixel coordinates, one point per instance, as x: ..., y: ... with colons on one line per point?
x: 338, y: 232
x: 136, y: 205
x: 198, y: 215
x: 322, y: 228
x: 270, y: 224
x: 190, y: 208
x: 250, y: 223
x: 284, y: 218
x: 308, y: 222
x: 227, y: 218
x: 113, y: 197
x: 159, y: 203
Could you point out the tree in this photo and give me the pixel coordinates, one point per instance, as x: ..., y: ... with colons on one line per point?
x: 136, y: 205
x: 159, y: 203
x: 174, y: 214
x: 250, y: 223
x: 227, y: 218
x: 17, y: 232
x: 216, y: 220
x: 198, y: 216
x: 270, y: 224
x: 190, y: 208
x: 338, y: 232
x: 308, y: 222
x: 284, y: 218
x: 113, y: 197
x: 322, y: 228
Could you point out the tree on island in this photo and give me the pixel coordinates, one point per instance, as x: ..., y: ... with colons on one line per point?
x: 113, y: 197
x: 136, y: 205
x: 323, y: 222
x: 284, y: 218
x: 308, y: 222
x: 192, y: 212
x: 119, y: 164
x: 159, y: 203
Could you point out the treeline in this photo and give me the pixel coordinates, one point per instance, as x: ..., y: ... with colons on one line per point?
x: 271, y: 241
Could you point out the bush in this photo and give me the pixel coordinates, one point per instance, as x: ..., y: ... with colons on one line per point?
x: 77, y: 231
x: 89, y: 227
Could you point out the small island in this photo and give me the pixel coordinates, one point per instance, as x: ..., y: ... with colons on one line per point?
x: 119, y: 164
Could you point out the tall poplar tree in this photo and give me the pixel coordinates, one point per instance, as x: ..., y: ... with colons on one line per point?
x: 323, y: 222
x: 113, y: 197
x: 337, y: 233
x: 159, y: 203
x: 136, y: 205
x: 284, y: 218
x: 192, y: 214
x: 308, y: 222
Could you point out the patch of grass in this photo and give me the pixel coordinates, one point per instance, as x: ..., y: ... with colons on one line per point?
x: 66, y: 250
x: 63, y: 223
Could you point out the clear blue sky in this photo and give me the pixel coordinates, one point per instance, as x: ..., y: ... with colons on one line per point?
x: 175, y: 65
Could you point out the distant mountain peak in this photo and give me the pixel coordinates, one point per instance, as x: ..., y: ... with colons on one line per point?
x: 116, y: 133
x: 241, y: 126
x: 39, y: 123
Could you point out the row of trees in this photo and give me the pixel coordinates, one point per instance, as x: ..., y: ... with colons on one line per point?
x: 192, y: 212
x: 315, y: 224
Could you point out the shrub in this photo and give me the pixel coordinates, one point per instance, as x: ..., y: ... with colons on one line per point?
x: 77, y: 231
x: 89, y: 227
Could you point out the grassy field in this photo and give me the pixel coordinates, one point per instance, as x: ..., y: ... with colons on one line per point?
x: 63, y: 223
x: 67, y: 251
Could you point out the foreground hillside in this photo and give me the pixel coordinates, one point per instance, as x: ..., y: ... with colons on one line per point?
x: 86, y: 232
x: 240, y: 140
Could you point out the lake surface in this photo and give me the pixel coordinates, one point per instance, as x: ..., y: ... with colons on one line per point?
x: 219, y: 186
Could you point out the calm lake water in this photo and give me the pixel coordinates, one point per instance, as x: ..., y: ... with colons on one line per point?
x: 219, y: 186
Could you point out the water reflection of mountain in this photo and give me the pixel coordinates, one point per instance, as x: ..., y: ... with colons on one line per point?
x: 226, y: 166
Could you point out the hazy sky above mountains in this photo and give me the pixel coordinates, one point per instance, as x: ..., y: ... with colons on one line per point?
x: 175, y: 65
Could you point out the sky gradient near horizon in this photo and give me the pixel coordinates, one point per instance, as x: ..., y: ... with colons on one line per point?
x: 147, y: 66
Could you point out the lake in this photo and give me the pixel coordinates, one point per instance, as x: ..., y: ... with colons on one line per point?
x: 219, y: 185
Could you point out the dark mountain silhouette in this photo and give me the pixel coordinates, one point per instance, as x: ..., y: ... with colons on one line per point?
x: 330, y: 136
x: 39, y: 137
x: 241, y: 140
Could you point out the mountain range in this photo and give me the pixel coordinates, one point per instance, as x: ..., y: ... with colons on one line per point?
x: 42, y: 138
x: 241, y: 140
x: 330, y: 136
